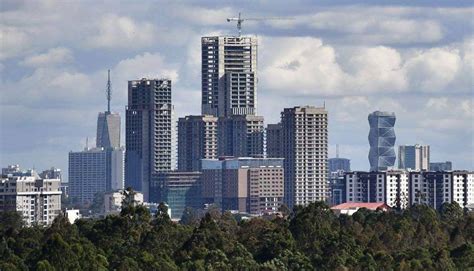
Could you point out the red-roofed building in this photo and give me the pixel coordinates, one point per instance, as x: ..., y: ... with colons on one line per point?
x: 350, y: 208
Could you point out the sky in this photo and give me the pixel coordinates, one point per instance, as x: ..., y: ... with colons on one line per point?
x: 414, y: 58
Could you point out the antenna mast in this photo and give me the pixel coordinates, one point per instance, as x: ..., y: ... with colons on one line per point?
x: 337, y: 150
x: 109, y: 91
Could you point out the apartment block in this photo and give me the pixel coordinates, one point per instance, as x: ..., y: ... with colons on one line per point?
x: 37, y: 200
x: 241, y: 136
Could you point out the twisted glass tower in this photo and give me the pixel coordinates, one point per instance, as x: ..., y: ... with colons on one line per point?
x: 381, y: 140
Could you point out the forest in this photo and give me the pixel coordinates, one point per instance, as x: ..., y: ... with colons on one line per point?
x: 310, y: 238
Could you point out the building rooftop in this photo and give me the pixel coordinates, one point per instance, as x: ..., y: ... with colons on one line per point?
x: 356, y: 205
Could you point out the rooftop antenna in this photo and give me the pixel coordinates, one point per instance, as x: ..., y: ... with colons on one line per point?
x: 337, y: 150
x: 109, y: 91
x: 240, y: 20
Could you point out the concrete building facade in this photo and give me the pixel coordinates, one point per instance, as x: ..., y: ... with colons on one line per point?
x: 229, y: 75
x: 305, y: 149
x: 108, y: 130
x: 241, y: 136
x: 441, y: 166
x: 149, y: 132
x: 37, y: 200
x: 414, y: 157
x: 274, y: 140
x: 197, y: 139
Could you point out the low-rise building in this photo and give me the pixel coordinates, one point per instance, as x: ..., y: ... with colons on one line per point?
x: 72, y: 215
x: 113, y: 201
x: 349, y: 208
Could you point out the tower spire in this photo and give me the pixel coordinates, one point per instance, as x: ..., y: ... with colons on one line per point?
x: 109, y: 91
x: 337, y: 150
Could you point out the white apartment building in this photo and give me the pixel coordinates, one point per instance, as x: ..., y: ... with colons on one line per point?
x: 38, y: 200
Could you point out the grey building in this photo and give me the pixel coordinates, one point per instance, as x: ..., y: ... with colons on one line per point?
x: 245, y: 184
x: 441, y: 166
x: 274, y: 140
x: 241, y: 136
x: 149, y: 132
x: 93, y: 171
x: 108, y: 130
x: 229, y: 75
x: 197, y: 139
x: 414, y: 157
x: 381, y: 139
x: 305, y: 149
x: 37, y: 200
x: 339, y: 164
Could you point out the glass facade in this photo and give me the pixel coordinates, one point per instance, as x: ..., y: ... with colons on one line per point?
x: 381, y: 139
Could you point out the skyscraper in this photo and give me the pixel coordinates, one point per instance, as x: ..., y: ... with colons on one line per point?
x: 381, y: 140
x: 305, y: 149
x: 197, y: 139
x: 274, y: 140
x: 108, y: 124
x: 229, y: 76
x: 149, y: 132
x: 414, y: 157
x: 241, y: 136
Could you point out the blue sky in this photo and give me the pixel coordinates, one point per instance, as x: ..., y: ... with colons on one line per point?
x: 413, y: 59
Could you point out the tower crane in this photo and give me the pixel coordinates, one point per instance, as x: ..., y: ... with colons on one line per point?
x: 240, y: 20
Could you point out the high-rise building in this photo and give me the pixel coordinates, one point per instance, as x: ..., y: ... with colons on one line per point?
x: 52, y: 173
x: 37, y: 200
x: 94, y: 171
x: 414, y: 157
x: 381, y: 140
x: 241, y: 136
x: 441, y: 166
x: 229, y: 75
x: 339, y: 164
x: 252, y: 185
x: 108, y: 130
x: 305, y: 149
x: 197, y: 139
x: 108, y: 124
x: 149, y: 132
x: 274, y: 140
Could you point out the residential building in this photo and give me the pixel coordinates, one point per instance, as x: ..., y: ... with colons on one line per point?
x: 178, y: 190
x: 10, y: 169
x: 337, y: 188
x: 435, y: 188
x: 305, y: 149
x: 274, y: 140
x: 149, y: 132
x: 52, y: 173
x: 37, y: 200
x: 229, y: 75
x: 244, y: 184
x: 441, y: 166
x: 241, y: 136
x: 197, y: 139
x: 113, y: 201
x: 414, y: 157
x: 93, y: 171
x: 381, y: 139
x: 391, y: 187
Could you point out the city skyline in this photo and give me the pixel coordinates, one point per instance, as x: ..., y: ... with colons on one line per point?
x: 62, y: 93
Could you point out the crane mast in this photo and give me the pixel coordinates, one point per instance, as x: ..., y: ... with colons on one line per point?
x: 240, y: 20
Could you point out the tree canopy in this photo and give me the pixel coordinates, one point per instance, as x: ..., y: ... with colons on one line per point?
x: 419, y: 238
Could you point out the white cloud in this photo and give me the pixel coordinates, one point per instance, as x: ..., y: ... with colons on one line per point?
x: 54, y: 56
x: 13, y: 41
x: 434, y: 69
x: 122, y: 32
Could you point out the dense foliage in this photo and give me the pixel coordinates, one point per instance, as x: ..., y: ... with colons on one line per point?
x: 311, y: 238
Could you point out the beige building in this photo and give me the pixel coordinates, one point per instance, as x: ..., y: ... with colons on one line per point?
x: 197, y: 139
x: 38, y: 200
x: 305, y: 149
x: 252, y: 185
x: 113, y: 201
